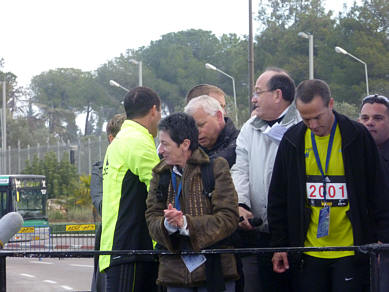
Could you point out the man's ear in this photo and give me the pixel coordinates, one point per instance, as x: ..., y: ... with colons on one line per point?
x: 219, y: 115
x: 185, y: 144
x: 277, y: 95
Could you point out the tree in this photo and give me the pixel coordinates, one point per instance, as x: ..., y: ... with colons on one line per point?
x: 62, y: 92
x: 61, y: 177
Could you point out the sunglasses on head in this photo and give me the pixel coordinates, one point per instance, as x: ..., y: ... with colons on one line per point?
x: 375, y: 98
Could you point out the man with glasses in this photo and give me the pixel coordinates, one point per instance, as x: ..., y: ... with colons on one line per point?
x: 375, y: 116
x: 256, y: 149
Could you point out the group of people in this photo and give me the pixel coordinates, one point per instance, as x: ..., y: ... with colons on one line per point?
x: 297, y: 174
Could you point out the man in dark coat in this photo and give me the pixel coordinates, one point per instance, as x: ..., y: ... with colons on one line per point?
x: 327, y: 189
x: 217, y: 134
x: 375, y: 116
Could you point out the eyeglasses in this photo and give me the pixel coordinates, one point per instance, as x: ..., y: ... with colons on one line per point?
x: 258, y: 93
x: 375, y: 98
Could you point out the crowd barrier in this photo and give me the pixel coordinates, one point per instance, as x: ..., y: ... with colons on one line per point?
x: 378, y: 254
x: 54, y: 237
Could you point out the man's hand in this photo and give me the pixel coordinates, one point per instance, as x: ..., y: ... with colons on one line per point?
x: 280, y: 262
x: 173, y: 216
x: 245, y: 224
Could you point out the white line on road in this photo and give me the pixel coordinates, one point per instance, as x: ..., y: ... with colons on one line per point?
x: 82, y: 266
x: 67, y: 287
x: 27, y: 275
x: 38, y: 262
x: 50, y: 281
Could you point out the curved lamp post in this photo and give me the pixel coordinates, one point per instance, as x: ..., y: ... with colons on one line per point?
x: 115, y: 84
x: 339, y: 50
x: 310, y: 38
x: 212, y: 67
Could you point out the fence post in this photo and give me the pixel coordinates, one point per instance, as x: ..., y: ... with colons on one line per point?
x: 19, y: 165
x: 89, y: 157
x: 3, y: 278
x: 79, y: 155
x: 9, y: 159
x: 58, y: 154
x: 100, y: 147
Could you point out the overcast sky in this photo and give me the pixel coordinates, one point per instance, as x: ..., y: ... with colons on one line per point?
x: 39, y: 35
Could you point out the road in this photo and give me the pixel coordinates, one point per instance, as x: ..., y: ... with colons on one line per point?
x: 48, y: 274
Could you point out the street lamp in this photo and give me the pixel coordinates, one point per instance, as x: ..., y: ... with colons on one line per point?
x: 310, y: 38
x: 139, y: 63
x: 211, y: 67
x: 343, y: 51
x: 115, y: 84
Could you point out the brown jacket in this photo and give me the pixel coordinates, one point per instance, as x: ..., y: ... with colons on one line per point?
x: 209, y: 220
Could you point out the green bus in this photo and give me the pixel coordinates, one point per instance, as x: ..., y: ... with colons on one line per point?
x: 25, y: 194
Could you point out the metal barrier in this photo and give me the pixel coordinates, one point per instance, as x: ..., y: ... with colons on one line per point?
x: 378, y: 253
x: 54, y: 237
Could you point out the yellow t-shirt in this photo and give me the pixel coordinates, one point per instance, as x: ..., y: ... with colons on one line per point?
x: 340, y: 229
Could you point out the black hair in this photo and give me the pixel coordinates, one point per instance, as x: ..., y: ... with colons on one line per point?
x: 139, y: 101
x: 181, y: 126
x: 283, y: 82
x: 307, y: 90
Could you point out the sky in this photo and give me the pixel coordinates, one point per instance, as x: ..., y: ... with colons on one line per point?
x: 39, y: 35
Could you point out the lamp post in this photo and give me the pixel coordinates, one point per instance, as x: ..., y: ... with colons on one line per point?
x: 115, y: 84
x: 310, y: 39
x: 211, y: 67
x: 339, y: 50
x: 139, y: 63
x: 4, y: 128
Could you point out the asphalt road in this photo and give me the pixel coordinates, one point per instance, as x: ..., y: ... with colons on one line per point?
x: 48, y: 275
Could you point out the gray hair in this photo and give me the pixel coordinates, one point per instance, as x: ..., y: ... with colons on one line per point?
x: 210, y: 105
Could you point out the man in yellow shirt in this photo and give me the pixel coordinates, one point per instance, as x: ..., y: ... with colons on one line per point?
x: 334, y: 196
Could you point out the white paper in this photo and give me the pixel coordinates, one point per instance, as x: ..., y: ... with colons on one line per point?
x: 192, y: 262
x: 276, y: 132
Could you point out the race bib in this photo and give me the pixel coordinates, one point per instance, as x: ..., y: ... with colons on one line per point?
x: 336, y: 191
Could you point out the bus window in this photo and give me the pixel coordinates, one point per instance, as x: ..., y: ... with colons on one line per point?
x: 3, y: 203
x: 31, y: 204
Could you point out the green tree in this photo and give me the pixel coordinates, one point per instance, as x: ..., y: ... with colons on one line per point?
x: 61, y: 177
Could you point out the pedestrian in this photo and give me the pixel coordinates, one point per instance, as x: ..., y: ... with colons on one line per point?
x: 327, y: 189
x: 127, y: 172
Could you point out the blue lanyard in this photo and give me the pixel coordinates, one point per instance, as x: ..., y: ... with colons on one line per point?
x: 178, y: 192
x: 329, y: 149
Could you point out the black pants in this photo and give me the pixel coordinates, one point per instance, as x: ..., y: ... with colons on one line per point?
x: 129, y: 277
x: 258, y: 269
x: 98, y: 280
x: 330, y: 275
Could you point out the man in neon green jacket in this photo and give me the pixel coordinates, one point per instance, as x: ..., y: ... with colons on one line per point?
x: 127, y: 172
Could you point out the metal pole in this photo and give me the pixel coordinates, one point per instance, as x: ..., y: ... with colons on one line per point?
x: 236, y: 106
x: 140, y: 74
x: 4, y: 128
x: 364, y: 63
x: 367, y: 80
x: 251, y: 57
x: 19, y: 163
x: 3, y: 278
x: 310, y: 36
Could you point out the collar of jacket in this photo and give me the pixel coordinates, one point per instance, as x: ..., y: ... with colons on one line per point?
x: 290, y: 117
x: 348, y: 131
x: 135, y: 125
x: 198, y: 157
x: 228, y: 133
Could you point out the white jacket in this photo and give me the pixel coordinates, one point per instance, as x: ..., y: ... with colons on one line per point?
x: 256, y: 149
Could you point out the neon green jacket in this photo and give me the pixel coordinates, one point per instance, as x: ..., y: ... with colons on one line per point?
x: 127, y: 172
